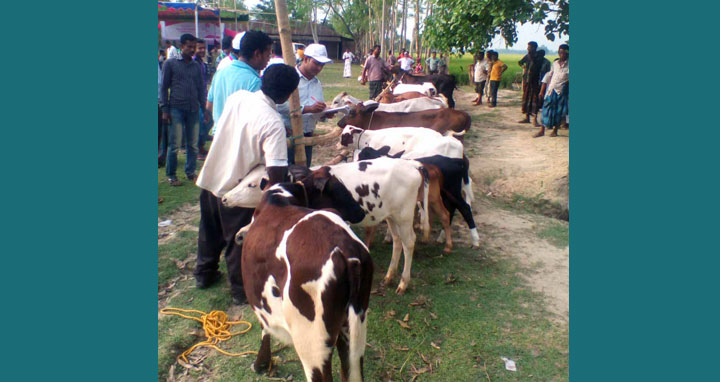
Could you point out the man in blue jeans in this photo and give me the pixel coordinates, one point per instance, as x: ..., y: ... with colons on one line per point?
x: 181, y: 107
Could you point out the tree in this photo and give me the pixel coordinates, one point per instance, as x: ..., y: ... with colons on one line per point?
x: 299, y: 10
x: 470, y: 25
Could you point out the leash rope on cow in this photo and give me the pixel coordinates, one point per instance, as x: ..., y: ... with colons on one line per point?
x: 363, y: 132
x: 216, y: 327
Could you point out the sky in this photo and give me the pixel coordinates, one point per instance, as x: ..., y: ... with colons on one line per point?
x: 526, y: 33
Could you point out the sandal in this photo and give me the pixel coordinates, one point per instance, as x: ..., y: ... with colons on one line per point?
x: 175, y: 182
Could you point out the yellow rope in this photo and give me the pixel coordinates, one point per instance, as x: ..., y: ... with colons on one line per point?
x: 217, y: 329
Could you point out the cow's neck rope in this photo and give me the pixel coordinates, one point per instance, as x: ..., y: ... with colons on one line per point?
x: 370, y: 123
x: 361, y: 133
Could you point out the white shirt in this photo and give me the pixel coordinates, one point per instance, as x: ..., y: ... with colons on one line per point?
x: 250, y: 132
x: 406, y: 63
x: 273, y: 61
x: 307, y: 89
x: 173, y: 52
x: 348, y: 56
x: 481, y: 71
x: 224, y: 63
x: 557, y: 77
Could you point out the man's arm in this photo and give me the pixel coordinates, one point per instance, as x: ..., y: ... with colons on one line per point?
x: 274, y: 147
x: 166, y: 82
x: 277, y: 174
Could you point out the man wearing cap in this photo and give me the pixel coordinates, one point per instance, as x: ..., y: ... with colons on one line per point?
x: 252, y: 55
x: 230, y: 53
x: 310, y: 91
x: 249, y: 133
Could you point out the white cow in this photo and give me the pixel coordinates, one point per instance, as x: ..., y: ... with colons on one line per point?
x: 426, y: 88
x: 410, y: 105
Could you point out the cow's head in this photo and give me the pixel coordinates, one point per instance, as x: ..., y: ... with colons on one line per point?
x: 359, y: 115
x: 347, y: 137
x: 344, y: 99
x: 327, y: 191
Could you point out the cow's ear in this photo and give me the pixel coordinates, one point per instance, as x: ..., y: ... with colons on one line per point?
x: 263, y: 183
x: 370, y: 108
x: 320, y: 182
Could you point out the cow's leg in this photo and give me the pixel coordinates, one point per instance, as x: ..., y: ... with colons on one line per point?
x: 262, y: 362
x: 407, y: 236
x: 397, y: 248
x: 314, y: 352
x: 466, y: 212
x: 442, y: 213
x: 388, y: 236
x: 357, y: 337
x: 370, y: 235
x: 343, y: 348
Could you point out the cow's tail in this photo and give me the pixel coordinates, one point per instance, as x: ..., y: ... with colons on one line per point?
x: 359, y: 272
x: 425, y: 208
x: 467, y: 191
x: 454, y: 81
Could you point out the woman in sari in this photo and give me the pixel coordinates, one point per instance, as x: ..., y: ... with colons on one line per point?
x: 348, y: 57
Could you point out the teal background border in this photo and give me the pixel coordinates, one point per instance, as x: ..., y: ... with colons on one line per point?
x: 79, y: 187
x: 643, y: 191
x: 79, y: 250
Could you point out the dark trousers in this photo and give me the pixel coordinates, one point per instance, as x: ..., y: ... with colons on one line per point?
x: 375, y: 88
x: 531, y: 94
x: 494, y: 86
x: 218, y: 226
x: 162, y: 139
x: 308, y: 152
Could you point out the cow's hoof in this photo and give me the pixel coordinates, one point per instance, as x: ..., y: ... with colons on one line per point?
x: 387, y: 281
x: 401, y: 289
x: 475, y: 245
x: 447, y: 250
x: 259, y: 369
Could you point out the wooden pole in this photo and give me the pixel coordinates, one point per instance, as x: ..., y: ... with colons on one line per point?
x: 281, y: 11
x: 382, y: 32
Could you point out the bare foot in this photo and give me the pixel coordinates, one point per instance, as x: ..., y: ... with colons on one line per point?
x: 553, y: 134
x: 524, y: 121
x: 539, y: 134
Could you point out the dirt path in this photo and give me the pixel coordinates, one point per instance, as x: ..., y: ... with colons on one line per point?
x: 506, y: 161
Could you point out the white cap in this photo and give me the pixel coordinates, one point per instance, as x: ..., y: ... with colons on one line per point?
x: 318, y: 52
x: 236, y: 40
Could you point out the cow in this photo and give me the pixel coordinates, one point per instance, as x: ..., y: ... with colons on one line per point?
x: 343, y: 99
x: 426, y: 88
x: 313, y: 294
x: 367, y: 117
x: 386, y: 190
x: 391, y: 98
x: 427, y: 147
x: 444, y: 83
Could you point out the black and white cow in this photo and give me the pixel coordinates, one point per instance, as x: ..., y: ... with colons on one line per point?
x: 310, y: 293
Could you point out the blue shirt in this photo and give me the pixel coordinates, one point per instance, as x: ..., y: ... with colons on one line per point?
x: 237, y: 76
x: 310, y: 91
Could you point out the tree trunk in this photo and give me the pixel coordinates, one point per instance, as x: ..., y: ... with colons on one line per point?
x: 392, y: 26
x: 313, y: 24
x: 417, y: 26
x: 281, y: 12
x: 404, y: 25
x: 382, y: 31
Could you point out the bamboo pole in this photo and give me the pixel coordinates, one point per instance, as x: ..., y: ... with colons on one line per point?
x: 382, y: 31
x: 281, y: 11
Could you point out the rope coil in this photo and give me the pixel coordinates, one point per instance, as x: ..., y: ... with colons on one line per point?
x: 216, y: 327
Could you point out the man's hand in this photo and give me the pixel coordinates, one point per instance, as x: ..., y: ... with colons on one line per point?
x: 317, y: 107
x: 166, y: 117
x: 207, y: 116
x: 330, y: 115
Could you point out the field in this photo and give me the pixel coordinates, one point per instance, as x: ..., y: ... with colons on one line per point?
x: 459, y: 65
x: 463, y: 311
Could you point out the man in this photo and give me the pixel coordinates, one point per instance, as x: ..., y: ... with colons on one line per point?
x: 172, y: 51
x: 406, y: 62
x: 556, y: 82
x: 310, y: 91
x: 199, y: 57
x: 374, y: 71
x: 253, y: 54
x: 498, y: 69
x: 229, y: 54
x: 348, y: 57
x: 392, y: 60
x: 183, y: 79
x: 531, y: 86
x: 432, y: 63
x: 443, y: 64
x: 480, y: 75
x: 276, y: 58
x: 250, y: 132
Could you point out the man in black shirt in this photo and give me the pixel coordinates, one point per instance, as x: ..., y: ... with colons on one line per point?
x: 531, y: 87
x: 181, y: 107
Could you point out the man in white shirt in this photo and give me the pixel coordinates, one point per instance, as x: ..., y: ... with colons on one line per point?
x: 480, y: 75
x: 311, y: 96
x: 233, y: 54
x: 250, y: 132
x: 406, y: 62
x: 172, y: 51
x: 556, y: 84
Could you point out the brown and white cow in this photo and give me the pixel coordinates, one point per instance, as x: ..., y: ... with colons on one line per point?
x: 441, y: 120
x: 307, y: 277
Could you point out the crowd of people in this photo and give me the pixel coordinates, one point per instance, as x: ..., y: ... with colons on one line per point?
x: 242, y: 91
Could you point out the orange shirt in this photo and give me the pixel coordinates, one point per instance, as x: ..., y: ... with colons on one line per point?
x: 496, y: 72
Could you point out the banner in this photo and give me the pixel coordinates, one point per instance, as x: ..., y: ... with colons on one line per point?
x: 172, y: 30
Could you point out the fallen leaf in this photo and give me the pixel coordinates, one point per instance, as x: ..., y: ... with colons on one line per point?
x: 407, y: 317
x: 399, y: 348
x: 403, y: 324
x: 435, y: 346
x: 433, y: 315
x: 450, y: 278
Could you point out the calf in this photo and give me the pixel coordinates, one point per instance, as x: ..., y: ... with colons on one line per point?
x: 442, y: 120
x: 426, y: 88
x: 391, y: 98
x: 444, y: 83
x: 402, y: 142
x: 310, y: 293
x: 456, y: 189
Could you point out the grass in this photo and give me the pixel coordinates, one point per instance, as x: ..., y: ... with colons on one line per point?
x: 472, y: 305
x: 556, y: 234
